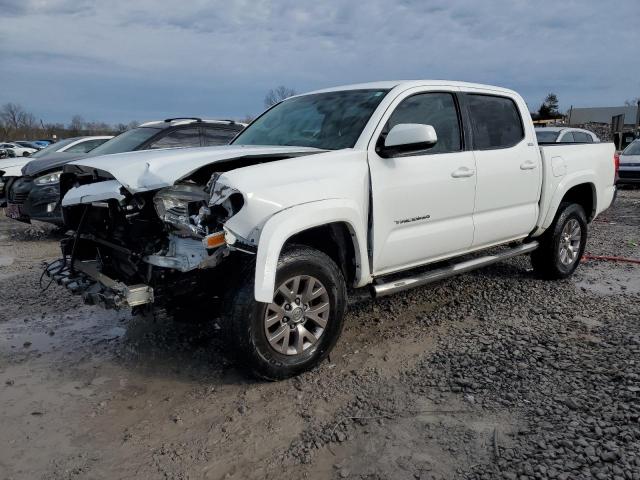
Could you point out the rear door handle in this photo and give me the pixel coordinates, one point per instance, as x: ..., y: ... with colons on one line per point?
x: 463, y: 172
x: 528, y: 165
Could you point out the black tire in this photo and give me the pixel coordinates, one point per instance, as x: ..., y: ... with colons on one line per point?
x: 546, y: 259
x: 243, y: 317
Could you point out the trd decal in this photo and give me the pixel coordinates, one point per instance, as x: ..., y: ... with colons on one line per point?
x: 412, y: 219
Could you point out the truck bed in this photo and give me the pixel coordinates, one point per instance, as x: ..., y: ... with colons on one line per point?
x: 565, y: 165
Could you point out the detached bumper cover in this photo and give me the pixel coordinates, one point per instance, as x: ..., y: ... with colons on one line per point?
x: 96, y: 288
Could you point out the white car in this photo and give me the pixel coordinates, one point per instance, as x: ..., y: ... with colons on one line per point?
x: 565, y: 135
x: 77, y: 145
x: 19, y: 150
x: 370, y: 185
x: 11, y: 168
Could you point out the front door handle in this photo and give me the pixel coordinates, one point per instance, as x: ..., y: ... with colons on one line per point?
x: 528, y: 165
x: 463, y: 172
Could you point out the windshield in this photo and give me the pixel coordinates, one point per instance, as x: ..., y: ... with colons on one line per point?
x: 54, y: 147
x: 546, y: 137
x: 632, y: 149
x: 126, y: 141
x: 329, y: 121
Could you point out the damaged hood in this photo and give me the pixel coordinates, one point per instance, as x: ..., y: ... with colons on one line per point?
x: 153, y: 169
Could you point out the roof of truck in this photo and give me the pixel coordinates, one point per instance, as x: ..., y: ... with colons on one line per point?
x: 389, y: 84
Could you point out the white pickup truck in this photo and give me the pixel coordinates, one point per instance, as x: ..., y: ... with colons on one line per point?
x: 389, y: 185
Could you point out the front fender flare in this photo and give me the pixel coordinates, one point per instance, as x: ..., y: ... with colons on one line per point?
x: 288, y: 222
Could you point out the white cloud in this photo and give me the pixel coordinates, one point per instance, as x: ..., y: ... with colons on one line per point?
x: 226, y: 54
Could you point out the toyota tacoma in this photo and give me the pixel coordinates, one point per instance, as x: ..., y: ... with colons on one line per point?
x: 388, y: 185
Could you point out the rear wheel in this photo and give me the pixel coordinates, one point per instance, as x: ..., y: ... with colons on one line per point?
x: 562, y: 245
x: 298, y: 329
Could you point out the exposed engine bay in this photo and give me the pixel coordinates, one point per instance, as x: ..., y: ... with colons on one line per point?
x: 132, y: 249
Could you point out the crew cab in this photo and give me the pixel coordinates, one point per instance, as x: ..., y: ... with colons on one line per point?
x: 387, y: 185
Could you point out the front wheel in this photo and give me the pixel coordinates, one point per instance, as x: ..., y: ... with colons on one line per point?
x: 562, y: 245
x: 298, y: 329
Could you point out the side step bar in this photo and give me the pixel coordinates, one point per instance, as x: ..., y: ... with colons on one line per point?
x: 383, y: 289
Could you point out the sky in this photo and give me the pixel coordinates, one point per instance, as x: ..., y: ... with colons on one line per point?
x: 124, y: 60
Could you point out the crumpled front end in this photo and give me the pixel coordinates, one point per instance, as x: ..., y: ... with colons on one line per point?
x: 129, y: 250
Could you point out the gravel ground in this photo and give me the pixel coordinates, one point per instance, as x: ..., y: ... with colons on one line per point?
x: 493, y: 374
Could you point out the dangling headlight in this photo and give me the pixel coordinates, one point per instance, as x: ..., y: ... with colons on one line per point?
x: 180, y: 206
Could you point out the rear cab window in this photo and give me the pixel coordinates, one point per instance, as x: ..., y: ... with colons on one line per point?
x: 495, y: 121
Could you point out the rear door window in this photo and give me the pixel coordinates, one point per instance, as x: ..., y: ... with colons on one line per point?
x: 581, y: 137
x: 496, y: 121
x: 182, y: 137
x: 219, y: 135
x: 567, y: 138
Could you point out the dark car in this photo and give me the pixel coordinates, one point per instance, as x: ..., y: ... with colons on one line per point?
x: 629, y: 161
x: 24, y: 143
x: 36, y: 195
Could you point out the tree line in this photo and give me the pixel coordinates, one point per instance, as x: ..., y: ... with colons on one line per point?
x: 16, y: 123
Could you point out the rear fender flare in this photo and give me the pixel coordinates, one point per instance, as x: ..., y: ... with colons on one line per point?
x: 561, y: 190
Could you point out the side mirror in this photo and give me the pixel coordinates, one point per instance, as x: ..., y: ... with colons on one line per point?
x: 408, y: 137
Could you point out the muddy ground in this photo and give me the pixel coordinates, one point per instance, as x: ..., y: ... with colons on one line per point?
x: 494, y: 374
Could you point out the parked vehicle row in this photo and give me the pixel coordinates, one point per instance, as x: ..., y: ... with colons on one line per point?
x: 19, y: 150
x: 33, y: 192
x: 387, y: 185
x: 27, y: 144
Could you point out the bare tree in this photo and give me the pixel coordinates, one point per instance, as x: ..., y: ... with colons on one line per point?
x: 77, y: 124
x: 278, y: 94
x: 12, y: 116
x: 633, y: 102
x: 30, y: 125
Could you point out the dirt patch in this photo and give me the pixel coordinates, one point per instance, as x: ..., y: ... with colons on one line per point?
x: 494, y: 374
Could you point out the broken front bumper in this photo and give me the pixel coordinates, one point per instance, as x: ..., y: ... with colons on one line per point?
x: 96, y: 288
